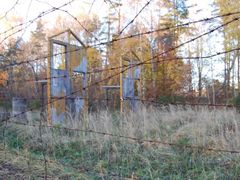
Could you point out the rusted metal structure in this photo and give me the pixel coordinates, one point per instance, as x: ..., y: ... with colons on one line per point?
x: 67, y: 76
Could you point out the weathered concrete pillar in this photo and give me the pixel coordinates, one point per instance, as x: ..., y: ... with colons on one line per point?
x: 79, y: 105
x: 19, y: 105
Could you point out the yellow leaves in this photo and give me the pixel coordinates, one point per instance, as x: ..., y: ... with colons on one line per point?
x: 8, y: 23
x: 59, y: 105
x: 3, y: 78
x: 76, y: 54
x: 94, y: 57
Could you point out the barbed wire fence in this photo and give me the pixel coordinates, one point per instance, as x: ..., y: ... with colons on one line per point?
x: 9, y: 10
x: 41, y: 125
x: 126, y: 37
x: 219, y: 53
x: 25, y: 25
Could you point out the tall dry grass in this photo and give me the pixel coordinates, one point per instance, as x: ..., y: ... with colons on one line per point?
x: 215, y: 128
x: 218, y: 128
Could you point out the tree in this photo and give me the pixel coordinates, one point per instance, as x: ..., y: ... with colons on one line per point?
x: 37, y: 47
x: 231, y: 39
x: 171, y: 76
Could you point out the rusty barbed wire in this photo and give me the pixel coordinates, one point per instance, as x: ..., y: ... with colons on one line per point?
x: 135, y: 139
x: 119, y: 39
x: 146, y: 100
x: 9, y: 10
x: 75, y: 18
x: 181, y: 103
x: 118, y: 67
x: 90, y: 9
x: 161, y: 60
x: 110, y: 77
x: 135, y: 17
x: 28, y: 23
x: 138, y: 140
x: 187, y: 42
x: 138, y: 64
x: 170, y: 59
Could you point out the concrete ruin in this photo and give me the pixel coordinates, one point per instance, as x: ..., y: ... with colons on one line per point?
x: 131, y: 86
x: 19, y: 105
x: 67, y: 76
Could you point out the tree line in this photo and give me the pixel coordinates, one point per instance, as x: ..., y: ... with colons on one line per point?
x: 166, y: 78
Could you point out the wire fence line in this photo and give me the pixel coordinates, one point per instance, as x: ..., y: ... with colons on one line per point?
x: 9, y: 10
x: 68, y: 3
x: 154, y: 101
x: 125, y: 69
x: 135, y: 139
x: 155, y: 142
x: 75, y: 18
x: 119, y: 39
x: 143, y: 101
x: 156, y: 56
x: 98, y: 70
x: 187, y: 42
x: 90, y: 9
x: 135, y: 17
x: 28, y: 23
x: 47, y: 161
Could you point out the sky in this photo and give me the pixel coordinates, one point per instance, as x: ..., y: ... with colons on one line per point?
x: 32, y: 8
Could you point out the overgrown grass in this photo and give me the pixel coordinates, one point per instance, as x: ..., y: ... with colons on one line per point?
x: 85, y: 155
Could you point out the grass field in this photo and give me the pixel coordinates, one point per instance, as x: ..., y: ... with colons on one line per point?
x: 87, y: 155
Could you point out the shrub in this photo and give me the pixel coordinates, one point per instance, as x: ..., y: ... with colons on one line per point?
x: 171, y: 99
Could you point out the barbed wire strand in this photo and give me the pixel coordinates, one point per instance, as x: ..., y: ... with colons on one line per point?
x: 150, y: 100
x: 122, y: 71
x: 180, y: 103
x: 76, y: 19
x: 133, y: 138
x: 28, y: 23
x: 43, y: 13
x: 138, y: 140
x: 187, y: 42
x: 171, y: 49
x: 8, y: 11
x: 90, y: 9
x: 135, y: 17
x: 119, y: 39
x: 161, y: 60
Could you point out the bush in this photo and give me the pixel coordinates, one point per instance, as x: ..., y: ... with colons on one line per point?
x: 171, y: 99
x: 35, y: 104
x: 6, y: 104
x: 236, y: 101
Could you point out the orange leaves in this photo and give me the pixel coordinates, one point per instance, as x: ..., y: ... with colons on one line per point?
x: 3, y: 78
